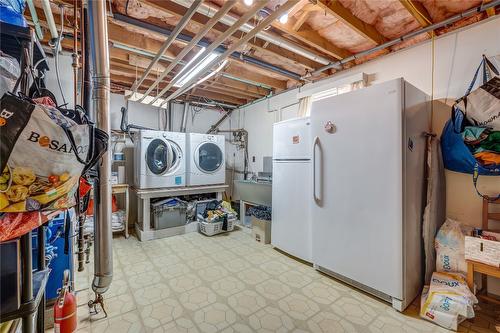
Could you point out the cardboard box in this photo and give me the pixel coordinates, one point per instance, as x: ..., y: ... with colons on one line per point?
x: 483, y: 250
x: 261, y: 230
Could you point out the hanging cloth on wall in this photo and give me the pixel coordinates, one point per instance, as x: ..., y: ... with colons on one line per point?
x: 435, y: 209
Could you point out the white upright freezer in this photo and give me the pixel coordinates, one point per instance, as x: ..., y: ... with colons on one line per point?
x: 368, y: 188
x: 291, y: 191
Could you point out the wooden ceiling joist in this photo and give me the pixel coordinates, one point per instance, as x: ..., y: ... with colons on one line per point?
x: 270, y: 49
x: 238, y: 70
x: 127, y: 81
x: 311, y: 38
x: 232, y: 90
x: 241, y: 86
x: 335, y: 8
x: 135, y: 40
x: 418, y: 11
x: 219, y: 97
x: 138, y: 41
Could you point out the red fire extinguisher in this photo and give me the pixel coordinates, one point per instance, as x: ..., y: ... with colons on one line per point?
x: 65, y: 308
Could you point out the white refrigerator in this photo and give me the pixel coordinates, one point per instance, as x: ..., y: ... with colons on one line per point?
x: 291, y: 191
x: 368, y: 188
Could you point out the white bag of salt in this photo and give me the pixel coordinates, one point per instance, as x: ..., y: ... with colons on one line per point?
x: 447, y: 301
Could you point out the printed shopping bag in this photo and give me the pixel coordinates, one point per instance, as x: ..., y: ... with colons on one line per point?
x: 42, y: 156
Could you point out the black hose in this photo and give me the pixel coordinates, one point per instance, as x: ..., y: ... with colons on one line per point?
x: 124, y: 126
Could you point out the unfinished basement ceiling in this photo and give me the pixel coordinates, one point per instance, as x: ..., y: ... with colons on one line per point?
x: 317, y: 32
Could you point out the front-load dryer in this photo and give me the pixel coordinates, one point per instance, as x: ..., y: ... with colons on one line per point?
x: 159, y: 159
x: 206, y: 165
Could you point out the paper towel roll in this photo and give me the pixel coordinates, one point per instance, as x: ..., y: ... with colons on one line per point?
x: 121, y: 174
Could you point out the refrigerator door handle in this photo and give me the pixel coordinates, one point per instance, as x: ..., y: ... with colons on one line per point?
x: 317, y: 199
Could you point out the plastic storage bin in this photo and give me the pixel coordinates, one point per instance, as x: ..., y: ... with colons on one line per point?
x: 10, y: 275
x: 168, y: 214
x: 59, y: 261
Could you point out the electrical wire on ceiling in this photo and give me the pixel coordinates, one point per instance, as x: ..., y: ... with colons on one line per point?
x: 433, y: 49
x: 57, y: 49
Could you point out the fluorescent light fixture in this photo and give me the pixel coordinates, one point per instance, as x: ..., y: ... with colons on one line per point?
x: 218, y: 69
x: 203, y: 79
x: 248, y: 2
x: 135, y: 96
x: 283, y: 18
x: 183, y: 77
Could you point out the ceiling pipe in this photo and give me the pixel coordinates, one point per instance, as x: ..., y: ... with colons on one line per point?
x: 170, y: 120
x: 178, y: 28
x: 227, y: 6
x: 103, y: 251
x: 215, y: 104
x: 184, y: 117
x: 467, y: 13
x: 216, y: 43
x: 204, y: 43
x: 36, y: 21
x: 277, y: 40
x: 215, y: 126
x: 191, y: 83
x: 50, y: 20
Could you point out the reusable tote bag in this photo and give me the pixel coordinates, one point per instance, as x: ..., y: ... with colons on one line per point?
x: 42, y: 156
x: 466, y: 112
x: 482, y: 106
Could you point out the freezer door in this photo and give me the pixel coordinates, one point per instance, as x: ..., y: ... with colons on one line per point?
x: 291, y: 139
x: 357, y: 163
x: 291, y: 225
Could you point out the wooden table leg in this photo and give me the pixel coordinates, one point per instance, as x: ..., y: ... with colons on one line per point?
x: 470, y: 275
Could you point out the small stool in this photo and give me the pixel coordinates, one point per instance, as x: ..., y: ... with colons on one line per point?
x: 474, y: 266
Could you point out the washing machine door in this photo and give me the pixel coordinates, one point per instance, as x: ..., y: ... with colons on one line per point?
x: 159, y: 157
x: 209, y: 157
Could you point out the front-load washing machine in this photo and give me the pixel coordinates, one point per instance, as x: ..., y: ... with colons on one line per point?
x: 206, y: 163
x: 159, y: 159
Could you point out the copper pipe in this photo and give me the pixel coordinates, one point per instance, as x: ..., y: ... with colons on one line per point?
x: 75, y: 52
x: 82, y: 45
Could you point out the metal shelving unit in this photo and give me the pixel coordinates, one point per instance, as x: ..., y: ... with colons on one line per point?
x: 19, y: 42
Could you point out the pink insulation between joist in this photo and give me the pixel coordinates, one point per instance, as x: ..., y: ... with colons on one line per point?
x: 389, y: 18
x: 143, y: 11
x: 440, y: 10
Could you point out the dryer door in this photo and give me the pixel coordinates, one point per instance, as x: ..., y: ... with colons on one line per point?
x: 159, y: 157
x: 209, y: 157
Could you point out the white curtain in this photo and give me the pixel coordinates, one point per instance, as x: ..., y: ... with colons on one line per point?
x: 305, y: 106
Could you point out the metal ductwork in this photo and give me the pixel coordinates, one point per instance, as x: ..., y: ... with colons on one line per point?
x: 170, y: 113
x: 184, y: 117
x: 103, y: 253
x: 227, y: 19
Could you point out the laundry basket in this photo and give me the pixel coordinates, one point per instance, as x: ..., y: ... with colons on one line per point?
x: 214, y: 228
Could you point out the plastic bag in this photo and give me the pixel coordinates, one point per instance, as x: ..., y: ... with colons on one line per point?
x: 13, y: 225
x: 447, y: 301
x: 11, y: 11
x: 450, y: 247
x: 9, y: 73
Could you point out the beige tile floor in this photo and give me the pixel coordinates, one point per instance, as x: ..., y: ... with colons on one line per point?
x: 230, y: 283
